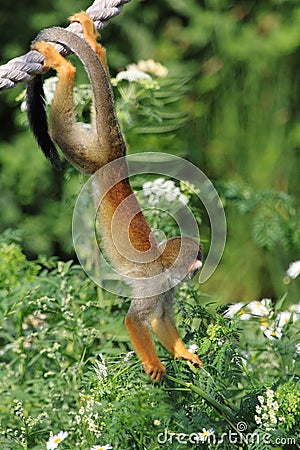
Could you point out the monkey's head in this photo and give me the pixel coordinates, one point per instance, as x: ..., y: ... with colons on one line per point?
x: 182, y: 256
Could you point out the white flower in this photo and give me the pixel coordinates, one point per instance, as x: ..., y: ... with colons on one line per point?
x: 160, y: 187
x: 260, y: 399
x: 202, y: 437
x: 233, y: 310
x: 267, y: 302
x: 147, y: 188
x: 273, y: 333
x: 293, y: 270
x: 270, y: 394
x: 167, y: 184
x: 258, y: 308
x: 153, y: 200
x: 257, y: 420
x: 283, y: 318
x: 101, y: 369
x: 298, y: 348
x: 133, y: 75
x: 49, y: 89
x: 295, y: 308
x: 171, y: 196
x: 267, y: 411
x: 153, y: 187
x: 183, y: 199
x: 193, y: 348
x: 55, y: 440
x: 101, y: 447
x: 128, y: 356
x: 150, y: 66
x: 237, y: 309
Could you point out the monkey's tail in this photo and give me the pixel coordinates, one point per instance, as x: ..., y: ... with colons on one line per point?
x: 37, y: 117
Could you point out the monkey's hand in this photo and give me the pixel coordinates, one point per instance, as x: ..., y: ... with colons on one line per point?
x: 191, y: 357
x: 168, y: 335
x: 155, y: 370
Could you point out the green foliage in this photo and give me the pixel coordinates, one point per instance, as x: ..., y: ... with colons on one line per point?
x: 276, y: 216
x: 288, y: 397
x: 150, y: 108
x: 53, y: 376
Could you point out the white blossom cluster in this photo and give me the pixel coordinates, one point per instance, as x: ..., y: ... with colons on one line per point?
x: 133, y: 75
x: 270, y: 323
x: 267, y: 411
x: 140, y: 73
x: 100, y: 368
x: 155, y: 190
x: 86, y: 414
x: 150, y: 66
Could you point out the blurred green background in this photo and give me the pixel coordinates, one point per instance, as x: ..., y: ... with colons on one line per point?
x: 243, y: 128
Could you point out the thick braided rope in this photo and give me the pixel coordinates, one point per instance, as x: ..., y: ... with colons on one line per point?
x: 23, y: 68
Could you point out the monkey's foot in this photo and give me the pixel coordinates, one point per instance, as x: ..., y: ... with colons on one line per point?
x: 90, y: 35
x: 53, y: 59
x: 90, y: 32
x: 191, y: 357
x: 156, y: 371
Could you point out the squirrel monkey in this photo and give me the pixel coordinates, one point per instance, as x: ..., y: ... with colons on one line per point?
x: 89, y: 150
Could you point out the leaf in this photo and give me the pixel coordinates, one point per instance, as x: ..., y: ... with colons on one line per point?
x: 267, y: 228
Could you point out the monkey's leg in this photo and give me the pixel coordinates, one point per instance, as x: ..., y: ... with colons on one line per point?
x: 168, y: 335
x: 63, y: 99
x: 78, y: 144
x: 91, y: 35
x: 62, y: 114
x: 140, y: 335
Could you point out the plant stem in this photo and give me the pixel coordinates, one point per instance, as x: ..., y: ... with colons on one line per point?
x: 228, y: 415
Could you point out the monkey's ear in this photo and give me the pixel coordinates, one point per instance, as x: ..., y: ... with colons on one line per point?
x: 37, y: 117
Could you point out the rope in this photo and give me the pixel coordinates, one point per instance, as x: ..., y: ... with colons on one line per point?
x: 25, y: 67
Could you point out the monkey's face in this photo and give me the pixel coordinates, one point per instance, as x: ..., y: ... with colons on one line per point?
x: 182, y: 257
